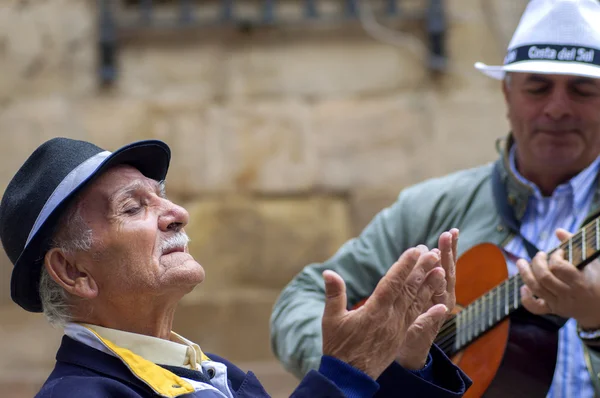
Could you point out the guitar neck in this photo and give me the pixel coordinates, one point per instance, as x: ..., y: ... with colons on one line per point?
x: 497, y: 304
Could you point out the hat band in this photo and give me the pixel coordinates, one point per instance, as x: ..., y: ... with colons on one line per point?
x: 78, y: 175
x: 553, y: 52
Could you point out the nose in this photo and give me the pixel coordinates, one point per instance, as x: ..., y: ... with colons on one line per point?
x: 173, y: 218
x: 558, y: 106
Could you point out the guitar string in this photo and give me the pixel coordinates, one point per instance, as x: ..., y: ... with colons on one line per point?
x: 509, y: 281
x: 475, y: 328
x: 481, y: 321
x: 478, y: 325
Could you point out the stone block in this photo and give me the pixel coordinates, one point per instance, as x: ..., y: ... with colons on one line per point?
x: 111, y: 121
x: 369, y: 142
x: 177, y: 70
x: 27, y: 123
x: 47, y: 47
x: 335, y: 64
x: 232, y: 323
x: 15, y: 389
x: 366, y: 203
x: 263, y: 146
x: 28, y: 345
x: 6, y: 268
x: 478, y: 32
x: 263, y: 242
x: 466, y: 126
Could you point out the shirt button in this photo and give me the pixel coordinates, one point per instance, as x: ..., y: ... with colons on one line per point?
x: 500, y: 228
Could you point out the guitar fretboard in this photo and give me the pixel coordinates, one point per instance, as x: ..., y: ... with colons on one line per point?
x: 497, y: 304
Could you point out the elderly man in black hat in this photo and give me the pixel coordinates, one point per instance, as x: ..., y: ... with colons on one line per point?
x: 98, y: 247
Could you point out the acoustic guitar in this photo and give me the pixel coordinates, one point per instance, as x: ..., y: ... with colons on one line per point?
x: 505, y: 350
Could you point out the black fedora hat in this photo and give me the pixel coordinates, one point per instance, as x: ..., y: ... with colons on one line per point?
x: 42, y: 189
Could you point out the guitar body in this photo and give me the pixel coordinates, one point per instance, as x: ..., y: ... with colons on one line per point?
x: 516, y: 358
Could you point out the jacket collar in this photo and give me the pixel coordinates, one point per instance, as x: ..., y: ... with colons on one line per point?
x: 518, y: 192
x: 75, y: 353
x: 78, y: 354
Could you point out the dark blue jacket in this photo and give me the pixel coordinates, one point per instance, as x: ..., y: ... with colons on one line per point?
x: 82, y: 371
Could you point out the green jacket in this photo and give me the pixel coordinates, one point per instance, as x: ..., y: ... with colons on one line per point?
x: 419, y: 215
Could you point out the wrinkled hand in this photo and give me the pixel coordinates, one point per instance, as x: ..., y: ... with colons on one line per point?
x: 419, y: 337
x: 555, y: 286
x: 370, y: 337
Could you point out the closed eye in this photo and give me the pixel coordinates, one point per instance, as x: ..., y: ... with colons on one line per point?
x: 132, y: 210
x: 536, y: 90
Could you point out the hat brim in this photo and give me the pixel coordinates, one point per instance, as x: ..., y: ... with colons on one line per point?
x: 150, y: 157
x: 542, y: 67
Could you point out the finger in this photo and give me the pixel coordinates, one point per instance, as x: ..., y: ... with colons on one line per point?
x: 563, y: 234
x: 407, y: 292
x: 389, y: 286
x: 335, y: 295
x: 546, y: 279
x: 529, y: 278
x: 447, y: 247
x: 420, y: 336
x: 455, y: 232
x: 537, y: 306
x: 564, y: 271
x: 435, y: 284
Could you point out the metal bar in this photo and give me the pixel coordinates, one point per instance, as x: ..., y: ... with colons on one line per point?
x: 310, y: 9
x: 268, y: 12
x: 131, y: 26
x: 351, y: 8
x: 146, y: 11
x: 392, y: 7
x: 186, y: 12
x: 227, y: 10
x: 436, y: 28
x: 107, y: 43
x: 110, y: 28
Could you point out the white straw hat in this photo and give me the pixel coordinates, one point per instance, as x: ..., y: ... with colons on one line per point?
x: 554, y: 37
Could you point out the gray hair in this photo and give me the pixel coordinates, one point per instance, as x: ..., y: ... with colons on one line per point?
x: 508, y: 78
x: 72, y: 235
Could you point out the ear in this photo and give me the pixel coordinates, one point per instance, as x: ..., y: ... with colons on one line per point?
x: 505, y: 89
x: 65, y: 271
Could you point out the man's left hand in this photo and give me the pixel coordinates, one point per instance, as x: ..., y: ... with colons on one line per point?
x: 555, y: 286
x: 415, y: 348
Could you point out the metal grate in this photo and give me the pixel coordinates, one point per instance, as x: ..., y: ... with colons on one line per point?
x: 185, y: 14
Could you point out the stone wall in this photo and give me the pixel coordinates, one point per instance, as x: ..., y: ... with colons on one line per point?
x: 285, y: 143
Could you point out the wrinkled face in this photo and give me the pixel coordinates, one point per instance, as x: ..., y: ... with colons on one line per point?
x: 139, y: 246
x: 555, y: 120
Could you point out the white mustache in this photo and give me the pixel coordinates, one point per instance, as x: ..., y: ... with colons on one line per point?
x: 179, y: 240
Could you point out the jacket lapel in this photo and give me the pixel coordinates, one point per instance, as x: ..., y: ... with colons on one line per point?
x: 75, y: 353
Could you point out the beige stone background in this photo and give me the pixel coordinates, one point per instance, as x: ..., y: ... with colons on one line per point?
x: 285, y: 143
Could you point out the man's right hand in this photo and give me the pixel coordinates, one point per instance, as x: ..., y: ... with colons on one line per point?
x: 369, y: 338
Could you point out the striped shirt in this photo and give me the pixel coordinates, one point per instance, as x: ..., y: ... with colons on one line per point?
x: 566, y: 208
